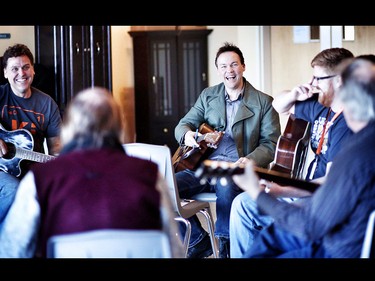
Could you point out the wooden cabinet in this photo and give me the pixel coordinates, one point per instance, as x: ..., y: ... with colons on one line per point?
x: 170, y: 71
x: 71, y: 58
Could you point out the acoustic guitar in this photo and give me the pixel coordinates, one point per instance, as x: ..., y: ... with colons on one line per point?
x: 225, y: 170
x: 292, y: 148
x: 187, y: 157
x: 20, y: 145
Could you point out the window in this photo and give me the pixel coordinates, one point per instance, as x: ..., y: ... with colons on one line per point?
x: 347, y: 33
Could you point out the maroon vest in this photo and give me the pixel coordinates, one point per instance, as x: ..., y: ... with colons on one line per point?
x: 96, y: 189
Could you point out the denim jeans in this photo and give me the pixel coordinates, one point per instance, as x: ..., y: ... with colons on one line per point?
x: 8, y: 189
x: 245, y: 224
x: 275, y: 242
x: 189, y: 185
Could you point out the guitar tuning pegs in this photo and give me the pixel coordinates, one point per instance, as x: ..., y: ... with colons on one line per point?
x: 224, y: 181
x: 199, y: 172
x: 213, y: 180
x: 202, y: 180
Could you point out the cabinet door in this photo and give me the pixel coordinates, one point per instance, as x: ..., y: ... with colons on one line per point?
x: 72, y: 58
x: 77, y: 66
x: 99, y: 40
x: 88, y: 59
x: 49, y: 71
x: 170, y: 71
x: 193, y: 67
x: 163, y: 104
x: 155, y: 86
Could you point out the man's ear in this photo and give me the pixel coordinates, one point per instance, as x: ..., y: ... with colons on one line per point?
x: 338, y: 81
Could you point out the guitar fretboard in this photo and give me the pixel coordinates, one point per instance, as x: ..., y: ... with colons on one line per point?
x: 32, y: 155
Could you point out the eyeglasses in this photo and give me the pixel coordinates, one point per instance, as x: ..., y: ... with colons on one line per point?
x: 322, y: 78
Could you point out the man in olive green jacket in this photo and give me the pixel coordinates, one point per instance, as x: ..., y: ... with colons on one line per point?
x: 251, y: 129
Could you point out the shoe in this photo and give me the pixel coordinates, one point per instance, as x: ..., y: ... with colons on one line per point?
x: 202, y: 250
x: 224, y: 250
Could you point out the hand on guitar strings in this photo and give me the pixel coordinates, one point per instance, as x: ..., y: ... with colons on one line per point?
x: 249, y: 181
x: 191, y: 138
x: 3, y: 148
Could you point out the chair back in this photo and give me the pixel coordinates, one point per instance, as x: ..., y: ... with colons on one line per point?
x: 161, y: 155
x: 368, y: 247
x: 184, y: 209
x: 110, y: 243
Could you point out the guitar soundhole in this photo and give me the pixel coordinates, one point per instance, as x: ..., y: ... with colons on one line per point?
x: 11, y: 151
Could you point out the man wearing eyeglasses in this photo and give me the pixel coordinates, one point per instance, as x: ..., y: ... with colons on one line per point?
x: 313, y: 102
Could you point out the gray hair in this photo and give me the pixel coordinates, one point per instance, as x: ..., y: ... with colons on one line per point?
x: 92, y: 114
x: 358, y: 90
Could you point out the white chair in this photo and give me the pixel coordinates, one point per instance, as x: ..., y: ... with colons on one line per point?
x: 110, y: 243
x: 368, y: 247
x: 206, y: 197
x: 161, y: 155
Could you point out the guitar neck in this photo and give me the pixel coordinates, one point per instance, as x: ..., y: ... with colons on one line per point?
x: 220, y: 169
x: 32, y: 155
x: 284, y: 179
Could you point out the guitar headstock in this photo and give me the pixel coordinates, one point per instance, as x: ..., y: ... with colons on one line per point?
x: 221, y: 170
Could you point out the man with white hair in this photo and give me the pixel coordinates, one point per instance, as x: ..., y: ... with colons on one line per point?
x: 332, y: 222
x: 93, y: 184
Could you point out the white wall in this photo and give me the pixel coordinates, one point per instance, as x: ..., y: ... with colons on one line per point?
x: 122, y: 59
x: 18, y: 34
x: 247, y: 39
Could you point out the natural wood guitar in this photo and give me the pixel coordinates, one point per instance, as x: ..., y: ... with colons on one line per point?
x: 187, y: 157
x: 292, y: 148
x: 221, y: 169
x: 20, y: 145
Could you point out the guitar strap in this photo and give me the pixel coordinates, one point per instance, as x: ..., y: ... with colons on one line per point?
x: 326, y: 126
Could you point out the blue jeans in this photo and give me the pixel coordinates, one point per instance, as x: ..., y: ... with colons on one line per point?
x: 8, y: 189
x: 189, y: 185
x: 245, y: 224
x: 275, y: 242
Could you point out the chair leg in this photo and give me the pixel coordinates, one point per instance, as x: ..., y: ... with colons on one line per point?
x: 187, y: 233
x: 210, y: 226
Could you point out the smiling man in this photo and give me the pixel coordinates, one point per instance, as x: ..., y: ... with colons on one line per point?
x: 23, y: 107
x: 251, y: 128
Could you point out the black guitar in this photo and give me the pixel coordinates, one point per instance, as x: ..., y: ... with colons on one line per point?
x: 20, y: 145
x: 221, y: 169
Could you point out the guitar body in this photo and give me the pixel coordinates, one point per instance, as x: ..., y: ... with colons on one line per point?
x: 292, y: 148
x: 20, y: 145
x: 20, y: 138
x: 187, y: 157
